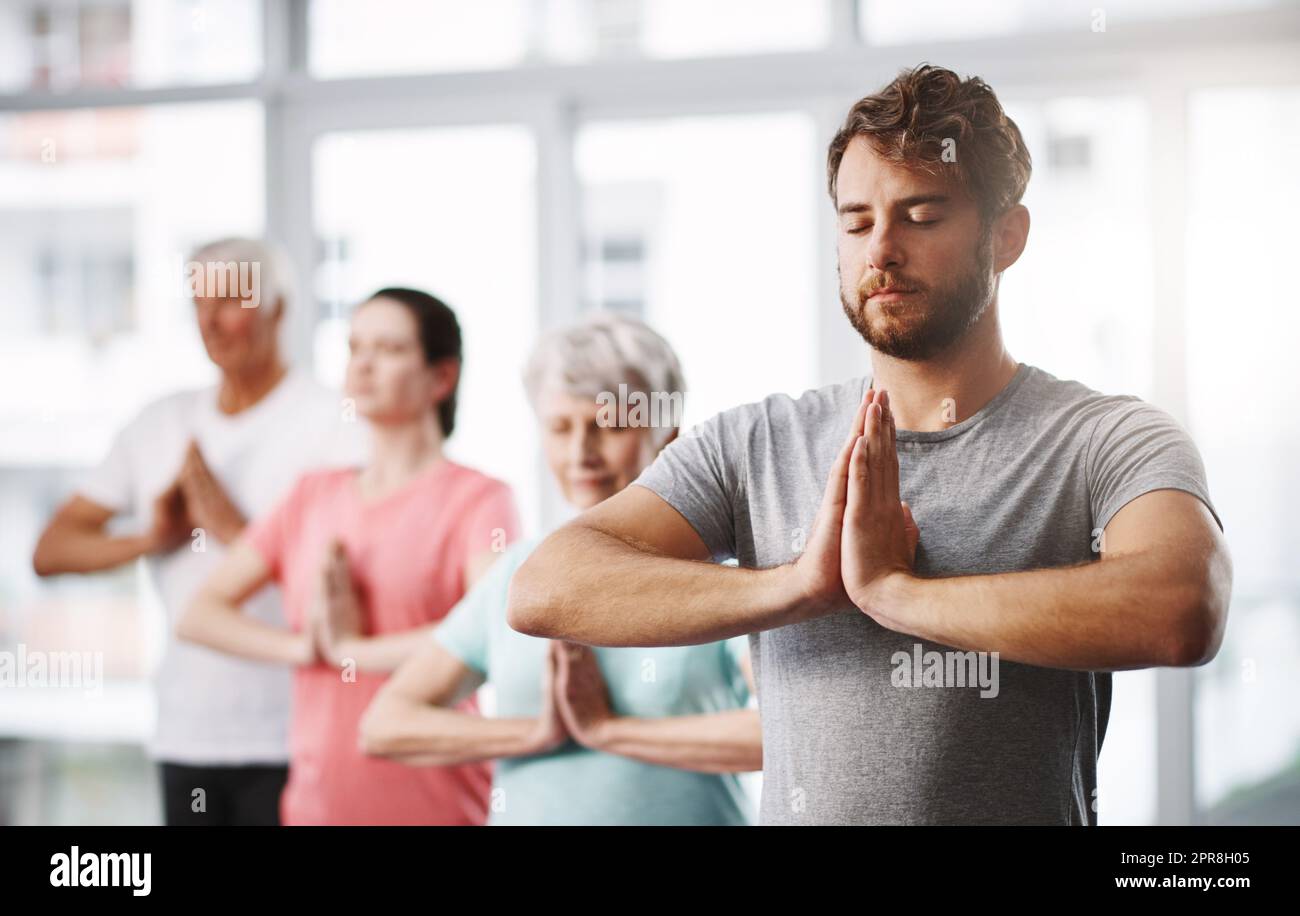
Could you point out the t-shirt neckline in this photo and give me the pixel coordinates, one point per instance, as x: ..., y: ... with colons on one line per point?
x: 997, y: 402
x: 432, y: 472
x: 282, y: 390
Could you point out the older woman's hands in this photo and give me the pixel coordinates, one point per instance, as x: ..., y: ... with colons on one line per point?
x: 581, y: 694
x: 550, y: 732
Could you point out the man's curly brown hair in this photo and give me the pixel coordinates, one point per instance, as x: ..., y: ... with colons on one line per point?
x: 908, y: 121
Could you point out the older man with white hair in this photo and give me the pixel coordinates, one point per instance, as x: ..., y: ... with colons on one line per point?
x: 191, y: 469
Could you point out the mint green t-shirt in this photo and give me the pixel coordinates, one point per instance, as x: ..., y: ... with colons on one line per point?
x: 574, y: 785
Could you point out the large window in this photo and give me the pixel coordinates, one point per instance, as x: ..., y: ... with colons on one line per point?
x: 528, y: 160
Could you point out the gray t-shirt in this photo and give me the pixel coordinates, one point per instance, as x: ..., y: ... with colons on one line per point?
x: 1027, y: 482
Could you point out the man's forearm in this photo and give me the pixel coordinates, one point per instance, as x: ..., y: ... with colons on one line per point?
x: 723, y: 742
x: 585, y: 586
x: 1117, y: 614
x: 75, y: 551
x: 228, y: 532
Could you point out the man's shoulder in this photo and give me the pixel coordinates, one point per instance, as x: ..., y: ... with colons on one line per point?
x: 1083, y: 407
x: 1043, y: 387
x: 781, y: 410
x: 826, y: 402
x: 169, y: 410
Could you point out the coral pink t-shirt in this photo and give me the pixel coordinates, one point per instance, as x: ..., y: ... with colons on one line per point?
x: 408, y: 553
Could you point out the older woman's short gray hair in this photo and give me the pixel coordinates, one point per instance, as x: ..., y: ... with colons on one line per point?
x: 274, y: 267
x: 601, y: 352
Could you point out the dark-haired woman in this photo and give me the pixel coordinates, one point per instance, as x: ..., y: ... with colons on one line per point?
x: 368, y: 560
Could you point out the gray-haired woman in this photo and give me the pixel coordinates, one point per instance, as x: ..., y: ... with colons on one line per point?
x: 582, y: 735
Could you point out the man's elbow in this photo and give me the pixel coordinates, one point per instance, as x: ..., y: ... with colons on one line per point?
x: 1198, y: 639
x: 527, y: 610
x: 44, y: 559
x: 1202, y: 620
x: 41, y: 564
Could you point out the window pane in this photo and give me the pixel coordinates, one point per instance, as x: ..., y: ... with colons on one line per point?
x: 422, y: 36
x: 589, y: 29
x: 453, y: 212
x: 704, y: 227
x: 899, y: 21
x: 98, y: 210
x: 347, y: 38
x: 57, y: 46
x: 1244, y: 320
x: 1090, y: 231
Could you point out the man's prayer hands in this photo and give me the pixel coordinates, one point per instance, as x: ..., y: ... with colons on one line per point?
x: 863, y: 533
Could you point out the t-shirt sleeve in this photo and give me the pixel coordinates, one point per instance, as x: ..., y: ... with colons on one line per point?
x: 465, y: 631
x: 270, y: 534
x: 700, y: 475
x: 492, y: 522
x: 111, y: 483
x: 1135, y: 448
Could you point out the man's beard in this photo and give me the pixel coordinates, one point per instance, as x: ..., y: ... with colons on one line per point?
x: 931, y: 319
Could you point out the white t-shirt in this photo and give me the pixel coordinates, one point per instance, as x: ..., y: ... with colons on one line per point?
x: 214, y: 708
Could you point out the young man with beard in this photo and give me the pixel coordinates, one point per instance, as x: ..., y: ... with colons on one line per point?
x: 953, y: 498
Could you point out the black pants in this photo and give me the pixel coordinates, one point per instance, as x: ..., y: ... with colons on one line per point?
x: 222, y: 796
